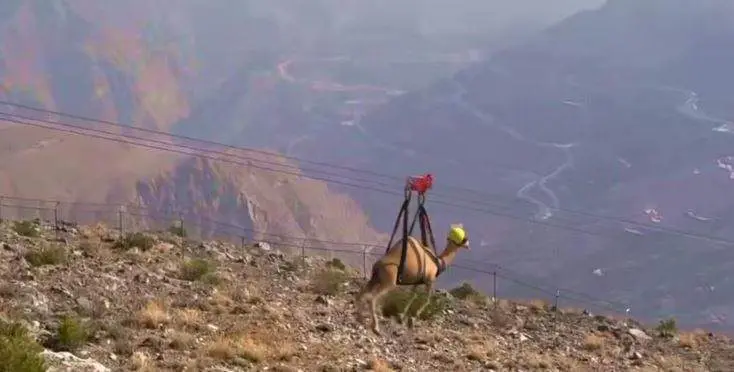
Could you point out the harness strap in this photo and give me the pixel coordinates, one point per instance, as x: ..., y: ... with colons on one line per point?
x: 441, y: 265
x: 404, y: 253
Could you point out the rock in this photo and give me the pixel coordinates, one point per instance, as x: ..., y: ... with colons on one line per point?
x: 68, y: 362
x: 212, y: 327
x: 324, y: 327
x: 85, y: 305
x: 638, y: 334
x: 265, y: 246
x: 321, y: 299
x: 164, y: 247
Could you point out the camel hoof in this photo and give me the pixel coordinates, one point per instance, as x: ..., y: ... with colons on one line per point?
x: 401, y: 319
x: 376, y: 331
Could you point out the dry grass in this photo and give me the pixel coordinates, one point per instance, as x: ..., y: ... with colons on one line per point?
x: 188, y: 318
x: 220, y: 301
x: 688, y: 340
x: 480, y: 350
x: 141, y: 362
x: 181, y: 340
x: 98, y: 230
x: 379, y: 365
x: 537, y: 361
x: 538, y: 305
x: 593, y: 342
x: 153, y: 315
x: 230, y: 347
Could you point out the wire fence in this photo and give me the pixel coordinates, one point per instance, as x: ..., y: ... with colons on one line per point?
x: 58, y: 215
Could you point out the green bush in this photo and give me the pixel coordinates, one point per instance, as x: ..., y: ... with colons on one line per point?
x: 337, y: 264
x: 19, y: 352
x: 199, y: 270
x: 667, y: 327
x: 71, y: 334
x: 394, y: 303
x: 466, y: 292
x: 329, y: 281
x: 46, y: 255
x: 132, y: 240
x: 26, y: 228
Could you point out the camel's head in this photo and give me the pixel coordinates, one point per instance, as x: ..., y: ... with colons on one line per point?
x: 458, y: 236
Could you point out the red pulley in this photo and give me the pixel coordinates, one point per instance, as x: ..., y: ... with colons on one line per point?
x: 420, y: 184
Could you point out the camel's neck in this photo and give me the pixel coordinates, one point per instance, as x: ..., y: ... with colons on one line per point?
x: 449, y: 253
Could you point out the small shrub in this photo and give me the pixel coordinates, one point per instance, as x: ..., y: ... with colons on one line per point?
x: 89, y: 248
x: 46, y: 255
x: 394, y: 303
x: 27, y: 228
x: 19, y: 352
x: 199, y: 270
x: 71, y: 334
x: 466, y: 292
x: 132, y: 240
x: 667, y: 327
x: 329, y: 281
x: 181, y: 341
x: 337, y: 264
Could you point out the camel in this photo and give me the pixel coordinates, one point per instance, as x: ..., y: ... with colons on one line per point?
x: 385, y: 272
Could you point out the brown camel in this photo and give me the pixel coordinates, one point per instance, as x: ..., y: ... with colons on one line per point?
x: 385, y: 272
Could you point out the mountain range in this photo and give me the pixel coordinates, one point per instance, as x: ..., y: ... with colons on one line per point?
x: 622, y: 112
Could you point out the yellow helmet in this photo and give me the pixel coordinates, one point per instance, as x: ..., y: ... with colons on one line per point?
x: 457, y: 235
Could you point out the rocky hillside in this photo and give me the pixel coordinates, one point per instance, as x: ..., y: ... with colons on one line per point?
x: 92, y: 300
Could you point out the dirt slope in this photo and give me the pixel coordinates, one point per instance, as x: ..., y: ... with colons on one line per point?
x: 165, y: 304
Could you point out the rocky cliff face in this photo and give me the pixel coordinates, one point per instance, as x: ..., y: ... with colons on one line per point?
x: 71, y: 56
x: 160, y: 187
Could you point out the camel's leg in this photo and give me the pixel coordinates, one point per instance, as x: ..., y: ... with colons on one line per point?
x: 359, y: 303
x: 414, y: 292
x: 364, y: 295
x: 374, y: 299
x: 429, y: 290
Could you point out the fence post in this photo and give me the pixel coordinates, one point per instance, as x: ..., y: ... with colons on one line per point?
x: 494, y: 287
x: 120, y: 219
x: 242, y: 242
x: 1, y: 208
x: 555, y: 300
x: 181, y: 223
x: 364, y: 261
x: 56, y: 219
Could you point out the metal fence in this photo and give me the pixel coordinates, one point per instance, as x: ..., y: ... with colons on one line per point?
x: 126, y: 218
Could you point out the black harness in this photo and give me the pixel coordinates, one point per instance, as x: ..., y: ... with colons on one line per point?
x: 427, y: 238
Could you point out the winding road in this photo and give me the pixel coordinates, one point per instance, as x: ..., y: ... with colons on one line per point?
x: 544, y: 210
